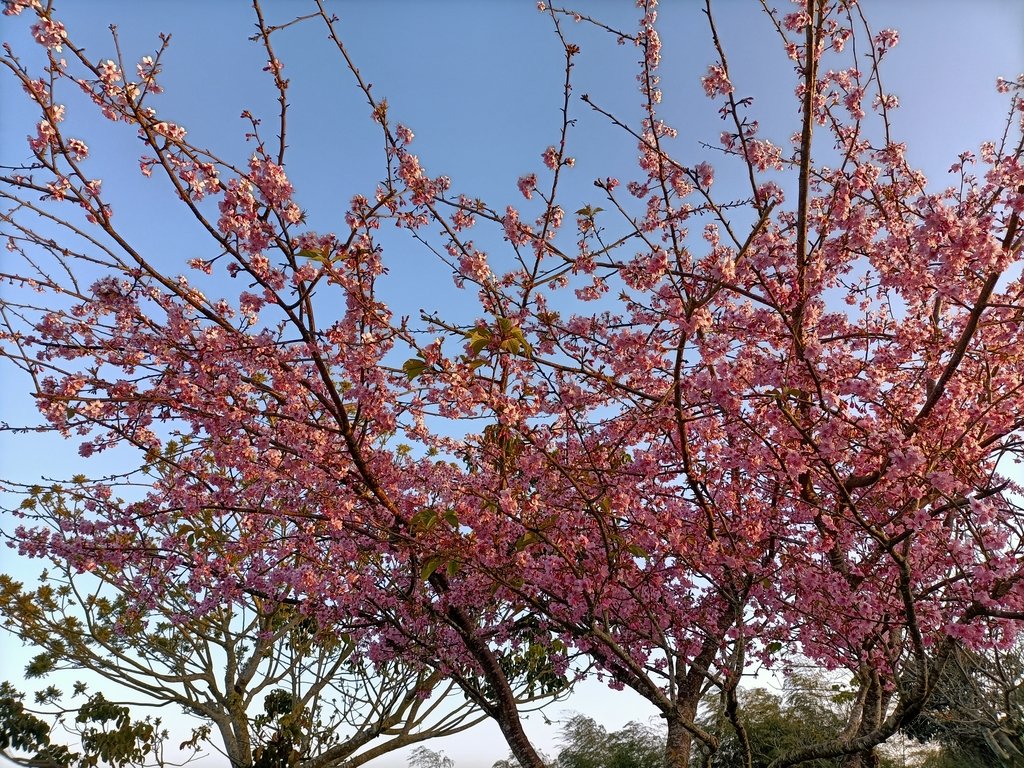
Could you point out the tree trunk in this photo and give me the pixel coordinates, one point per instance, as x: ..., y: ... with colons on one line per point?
x: 680, y: 718
x: 504, y: 708
x: 872, y: 714
x: 677, y: 745
x: 519, y: 742
x: 234, y: 735
x: 679, y: 740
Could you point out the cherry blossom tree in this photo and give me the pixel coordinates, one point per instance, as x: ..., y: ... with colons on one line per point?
x: 685, y: 431
x: 378, y: 590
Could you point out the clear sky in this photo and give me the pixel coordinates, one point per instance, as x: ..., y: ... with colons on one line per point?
x: 480, y: 85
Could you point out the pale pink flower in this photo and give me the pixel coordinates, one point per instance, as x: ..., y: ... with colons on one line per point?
x: 58, y: 189
x: 763, y: 155
x: 37, y: 88
x: 271, y: 181
x: 77, y: 149
x: 148, y: 70
x: 14, y: 7
x: 517, y: 232
x: 649, y: 39
x: 109, y: 72
x: 169, y: 130
x: 527, y: 184
x: 404, y: 134
x: 840, y: 37
x: 888, y: 100
x: 463, y: 217
x: 474, y: 267
x: 705, y: 174
x: 716, y: 82
x: 795, y: 22
x: 887, y: 38
x: 597, y: 288
x: 852, y: 102
x: 50, y: 34
x: 46, y: 135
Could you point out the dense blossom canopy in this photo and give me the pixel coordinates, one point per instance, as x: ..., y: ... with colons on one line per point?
x: 685, y: 433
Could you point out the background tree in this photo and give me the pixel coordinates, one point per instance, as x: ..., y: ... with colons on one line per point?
x: 586, y: 744
x: 422, y: 757
x: 267, y: 685
x: 103, y: 731
x: 975, y: 716
x: 808, y: 710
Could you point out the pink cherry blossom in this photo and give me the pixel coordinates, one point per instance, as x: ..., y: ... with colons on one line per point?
x: 527, y: 184
x: 716, y: 82
x: 739, y: 415
x: 47, y: 32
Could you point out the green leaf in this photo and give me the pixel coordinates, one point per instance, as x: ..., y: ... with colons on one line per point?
x: 528, y: 538
x: 309, y: 253
x: 637, y: 551
x: 432, y: 564
x: 278, y: 702
x: 414, y: 367
x: 479, y: 338
x: 511, y: 345
x: 40, y: 666
x: 424, y: 520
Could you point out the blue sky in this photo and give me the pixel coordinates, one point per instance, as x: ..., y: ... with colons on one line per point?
x: 480, y: 85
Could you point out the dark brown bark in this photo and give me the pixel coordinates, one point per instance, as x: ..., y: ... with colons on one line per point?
x: 680, y: 719
x: 875, y: 702
x: 501, y: 705
x: 679, y: 741
x: 505, y: 710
